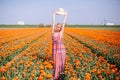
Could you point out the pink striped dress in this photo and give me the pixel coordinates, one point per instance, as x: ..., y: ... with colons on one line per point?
x: 58, y: 54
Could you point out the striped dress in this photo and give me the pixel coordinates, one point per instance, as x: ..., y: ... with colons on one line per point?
x: 58, y: 54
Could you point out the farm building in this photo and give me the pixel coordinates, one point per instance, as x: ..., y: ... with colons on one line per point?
x: 20, y: 22
x: 109, y: 23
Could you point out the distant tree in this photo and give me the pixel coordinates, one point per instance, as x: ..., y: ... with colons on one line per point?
x: 41, y: 25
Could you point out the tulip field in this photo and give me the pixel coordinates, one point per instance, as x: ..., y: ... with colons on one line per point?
x: 91, y: 54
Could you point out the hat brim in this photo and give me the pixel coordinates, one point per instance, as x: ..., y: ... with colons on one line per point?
x: 60, y: 13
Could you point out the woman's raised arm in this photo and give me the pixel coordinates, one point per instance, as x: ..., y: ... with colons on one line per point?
x: 53, y: 23
x: 63, y: 25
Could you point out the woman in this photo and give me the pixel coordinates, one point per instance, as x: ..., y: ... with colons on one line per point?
x: 58, y: 50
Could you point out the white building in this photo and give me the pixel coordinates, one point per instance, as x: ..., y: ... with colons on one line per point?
x: 21, y: 22
x: 109, y: 23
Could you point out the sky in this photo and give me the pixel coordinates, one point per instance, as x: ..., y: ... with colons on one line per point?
x: 41, y: 11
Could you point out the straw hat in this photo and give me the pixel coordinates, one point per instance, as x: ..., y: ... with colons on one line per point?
x: 60, y: 11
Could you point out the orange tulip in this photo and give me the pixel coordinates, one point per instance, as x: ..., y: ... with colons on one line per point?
x: 98, y: 72
x: 40, y: 78
x: 49, y: 76
x: 41, y: 67
x: 3, y: 78
x: 87, y: 76
x: 32, y: 75
x: 73, y: 79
